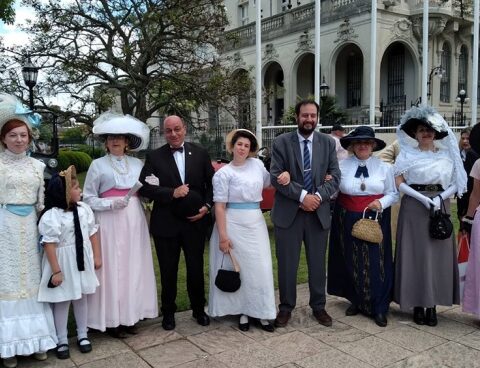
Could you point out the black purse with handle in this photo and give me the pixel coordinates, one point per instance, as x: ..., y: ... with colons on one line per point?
x: 440, y: 226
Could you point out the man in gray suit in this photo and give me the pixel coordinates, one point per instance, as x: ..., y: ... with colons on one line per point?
x: 301, y: 211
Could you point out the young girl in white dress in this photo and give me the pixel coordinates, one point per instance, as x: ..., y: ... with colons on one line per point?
x: 71, y: 255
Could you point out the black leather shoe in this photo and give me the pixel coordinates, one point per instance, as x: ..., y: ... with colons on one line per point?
x: 202, y: 318
x: 168, y: 322
x: 352, y: 310
x: 117, y: 332
x: 431, y: 317
x: 268, y: 327
x: 419, y: 315
x: 380, y: 319
x: 84, y: 348
x: 243, y: 326
x: 64, y: 353
x: 322, y: 317
x: 282, y: 318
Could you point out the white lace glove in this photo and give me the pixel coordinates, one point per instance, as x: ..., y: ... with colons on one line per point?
x: 427, y: 202
x: 447, y: 193
x: 118, y: 204
x: 152, y: 180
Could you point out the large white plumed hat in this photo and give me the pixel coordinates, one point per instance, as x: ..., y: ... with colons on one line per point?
x: 11, y: 108
x: 110, y: 123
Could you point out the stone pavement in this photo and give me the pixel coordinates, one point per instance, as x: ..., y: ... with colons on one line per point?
x: 351, y: 342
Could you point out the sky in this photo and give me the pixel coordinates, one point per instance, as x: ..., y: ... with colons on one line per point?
x: 11, y: 32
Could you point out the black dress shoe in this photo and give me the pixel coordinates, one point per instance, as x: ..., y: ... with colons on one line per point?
x: 202, y: 318
x: 322, y: 317
x: 243, y: 326
x: 282, y: 318
x: 84, y: 348
x: 380, y: 319
x: 419, y: 315
x: 268, y: 327
x: 352, y: 310
x: 131, y: 330
x: 168, y: 322
x: 117, y: 332
x: 431, y: 317
x: 64, y: 353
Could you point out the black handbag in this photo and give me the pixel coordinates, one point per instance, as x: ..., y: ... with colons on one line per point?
x: 227, y: 280
x: 440, y: 226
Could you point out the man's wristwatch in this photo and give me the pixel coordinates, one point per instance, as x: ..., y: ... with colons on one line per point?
x: 209, y: 207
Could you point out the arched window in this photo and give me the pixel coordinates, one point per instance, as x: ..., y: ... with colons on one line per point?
x: 446, y: 66
x: 354, y: 80
x: 462, y: 68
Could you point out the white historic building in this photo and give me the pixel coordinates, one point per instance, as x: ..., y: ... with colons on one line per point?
x: 288, y: 54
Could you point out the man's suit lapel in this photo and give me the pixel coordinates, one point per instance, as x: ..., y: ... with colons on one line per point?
x: 315, y: 155
x: 171, y: 163
x: 296, y: 151
x: 188, y: 160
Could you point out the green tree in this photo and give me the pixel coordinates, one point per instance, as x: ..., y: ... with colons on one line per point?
x: 151, y: 56
x: 7, y: 12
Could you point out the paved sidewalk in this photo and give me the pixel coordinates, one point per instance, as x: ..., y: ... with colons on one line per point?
x: 351, y: 342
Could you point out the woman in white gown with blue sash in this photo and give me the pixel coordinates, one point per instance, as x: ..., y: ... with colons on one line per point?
x: 240, y: 229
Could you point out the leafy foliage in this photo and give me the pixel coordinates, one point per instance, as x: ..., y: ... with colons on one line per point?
x: 81, y: 160
x: 7, y: 13
x: 150, y: 57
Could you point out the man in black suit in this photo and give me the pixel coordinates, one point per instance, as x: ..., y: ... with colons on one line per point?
x: 178, y: 177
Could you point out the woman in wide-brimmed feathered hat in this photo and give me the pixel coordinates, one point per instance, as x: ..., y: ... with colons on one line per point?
x: 127, y: 291
x: 428, y: 170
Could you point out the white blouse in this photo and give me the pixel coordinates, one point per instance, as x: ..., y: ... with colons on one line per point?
x: 380, y: 179
x: 425, y: 167
x: 240, y: 183
x: 106, y: 173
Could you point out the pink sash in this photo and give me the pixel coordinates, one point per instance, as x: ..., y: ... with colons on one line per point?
x: 115, y: 193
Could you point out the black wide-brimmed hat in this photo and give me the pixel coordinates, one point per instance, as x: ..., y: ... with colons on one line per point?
x: 362, y: 133
x: 423, y: 115
x: 189, y: 205
x: 475, y: 138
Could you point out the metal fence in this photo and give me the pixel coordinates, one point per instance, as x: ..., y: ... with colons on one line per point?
x: 213, y: 139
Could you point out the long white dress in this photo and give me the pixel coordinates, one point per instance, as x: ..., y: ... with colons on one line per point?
x: 26, y: 326
x: 56, y: 226
x: 248, y: 233
x: 128, y: 289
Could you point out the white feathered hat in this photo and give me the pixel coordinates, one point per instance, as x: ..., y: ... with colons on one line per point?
x: 110, y: 123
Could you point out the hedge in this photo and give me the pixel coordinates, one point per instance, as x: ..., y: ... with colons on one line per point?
x: 81, y: 160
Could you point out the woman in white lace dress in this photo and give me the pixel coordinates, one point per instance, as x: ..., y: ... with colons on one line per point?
x: 240, y: 229
x: 26, y: 326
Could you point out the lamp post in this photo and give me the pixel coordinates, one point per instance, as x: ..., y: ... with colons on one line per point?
x: 30, y: 74
x: 462, y: 98
x: 324, y: 87
x: 438, y: 71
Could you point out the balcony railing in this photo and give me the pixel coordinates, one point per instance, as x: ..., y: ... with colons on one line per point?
x: 294, y: 20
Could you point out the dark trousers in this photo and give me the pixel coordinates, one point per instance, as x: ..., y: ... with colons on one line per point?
x: 307, y: 228
x: 192, y: 240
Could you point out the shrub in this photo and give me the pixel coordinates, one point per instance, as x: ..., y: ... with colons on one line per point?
x: 97, y: 151
x: 81, y: 160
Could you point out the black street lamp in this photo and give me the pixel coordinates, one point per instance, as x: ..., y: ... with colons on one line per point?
x: 30, y: 74
x: 462, y: 98
x: 438, y: 71
x: 324, y: 87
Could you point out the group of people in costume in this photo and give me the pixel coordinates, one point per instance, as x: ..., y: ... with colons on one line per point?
x: 96, y: 255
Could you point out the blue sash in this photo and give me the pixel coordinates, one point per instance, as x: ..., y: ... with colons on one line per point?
x: 244, y: 205
x: 19, y: 209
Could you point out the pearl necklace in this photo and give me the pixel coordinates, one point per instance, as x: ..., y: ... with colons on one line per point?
x: 115, y: 167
